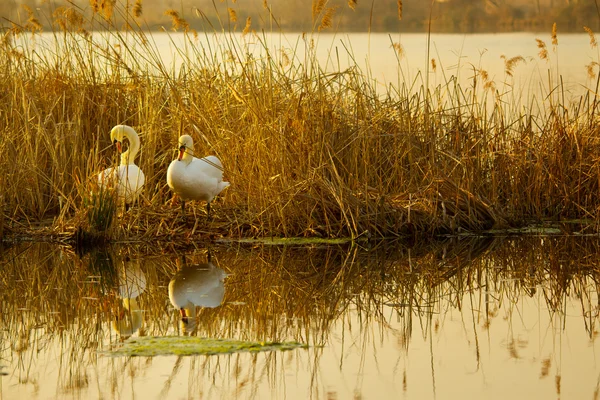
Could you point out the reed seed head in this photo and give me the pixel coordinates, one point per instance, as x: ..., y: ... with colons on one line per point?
x: 317, y: 8
x: 248, y: 27
x: 137, y: 8
x: 590, y: 68
x: 327, y: 19
x: 399, y: 3
x: 511, y: 63
x: 399, y: 49
x: 232, y: 14
x: 177, y: 21
x: 593, y: 42
x: 543, y: 50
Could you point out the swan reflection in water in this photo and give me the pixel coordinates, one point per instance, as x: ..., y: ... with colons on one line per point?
x: 132, y: 283
x: 196, y: 285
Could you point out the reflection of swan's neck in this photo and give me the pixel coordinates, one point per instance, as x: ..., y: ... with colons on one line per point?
x: 188, y: 311
x: 131, y: 304
x: 130, y: 321
x: 188, y: 317
x: 128, y: 157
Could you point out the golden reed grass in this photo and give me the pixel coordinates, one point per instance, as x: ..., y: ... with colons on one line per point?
x: 308, y: 152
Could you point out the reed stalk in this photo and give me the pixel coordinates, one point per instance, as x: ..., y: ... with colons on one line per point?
x: 309, y: 151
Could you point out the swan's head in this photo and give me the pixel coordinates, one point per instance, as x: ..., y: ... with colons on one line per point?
x: 185, y: 146
x: 119, y: 133
x: 128, y: 319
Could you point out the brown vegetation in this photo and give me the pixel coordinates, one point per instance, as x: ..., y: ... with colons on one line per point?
x: 308, y: 152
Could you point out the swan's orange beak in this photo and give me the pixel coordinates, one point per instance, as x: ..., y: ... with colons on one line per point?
x: 118, y: 144
x: 181, y: 153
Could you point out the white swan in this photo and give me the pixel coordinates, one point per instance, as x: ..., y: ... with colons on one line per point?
x: 196, y: 285
x: 127, y: 178
x: 195, y: 178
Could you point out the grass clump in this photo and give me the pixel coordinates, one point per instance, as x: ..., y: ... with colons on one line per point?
x: 310, y: 151
x: 101, y: 209
x: 147, y: 346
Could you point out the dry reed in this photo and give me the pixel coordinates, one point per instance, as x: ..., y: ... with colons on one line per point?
x: 308, y: 152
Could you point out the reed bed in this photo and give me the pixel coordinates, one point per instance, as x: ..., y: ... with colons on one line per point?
x: 309, y: 152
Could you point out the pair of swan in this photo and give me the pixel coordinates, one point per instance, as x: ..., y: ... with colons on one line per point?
x: 189, y: 177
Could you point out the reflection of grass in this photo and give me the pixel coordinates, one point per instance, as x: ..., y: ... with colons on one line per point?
x: 188, y: 346
x: 292, y: 293
x: 310, y: 151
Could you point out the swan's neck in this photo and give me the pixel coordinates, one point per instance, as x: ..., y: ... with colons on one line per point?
x: 131, y: 304
x: 190, y: 309
x: 128, y: 157
x: 188, y: 156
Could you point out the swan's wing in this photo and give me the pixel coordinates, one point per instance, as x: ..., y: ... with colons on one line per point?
x: 131, y: 181
x: 221, y: 185
x: 206, y: 287
x: 107, y: 178
x: 213, y: 298
x: 209, y: 166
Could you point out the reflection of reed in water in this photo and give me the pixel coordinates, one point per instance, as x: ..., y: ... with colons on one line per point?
x: 196, y: 285
x: 51, y: 300
x: 47, y: 304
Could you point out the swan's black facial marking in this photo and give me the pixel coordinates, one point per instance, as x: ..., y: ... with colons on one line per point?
x: 181, y: 152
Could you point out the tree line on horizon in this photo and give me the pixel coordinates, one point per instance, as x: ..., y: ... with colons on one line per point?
x: 463, y: 16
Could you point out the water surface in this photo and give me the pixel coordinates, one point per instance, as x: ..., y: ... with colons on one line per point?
x: 458, y: 58
x: 494, y: 318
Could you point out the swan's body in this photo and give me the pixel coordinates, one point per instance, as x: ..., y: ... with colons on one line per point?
x: 199, y: 285
x: 194, y: 178
x: 128, y: 179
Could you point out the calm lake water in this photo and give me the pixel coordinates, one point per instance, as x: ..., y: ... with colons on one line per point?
x: 457, y: 57
x: 468, y: 319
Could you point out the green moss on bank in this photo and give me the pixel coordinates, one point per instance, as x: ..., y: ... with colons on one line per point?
x: 189, y: 346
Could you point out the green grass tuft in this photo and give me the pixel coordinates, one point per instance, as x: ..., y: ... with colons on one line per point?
x: 189, y: 346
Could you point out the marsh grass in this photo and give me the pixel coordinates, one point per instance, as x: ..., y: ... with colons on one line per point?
x: 309, y: 151
x: 102, y: 206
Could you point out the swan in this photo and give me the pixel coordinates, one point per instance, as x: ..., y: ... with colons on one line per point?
x: 127, y: 177
x: 196, y: 285
x: 195, y: 178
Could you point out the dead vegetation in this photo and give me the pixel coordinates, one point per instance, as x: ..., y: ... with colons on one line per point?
x: 308, y: 152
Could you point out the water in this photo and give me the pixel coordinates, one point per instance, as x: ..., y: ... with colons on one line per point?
x: 458, y: 57
x: 471, y: 318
